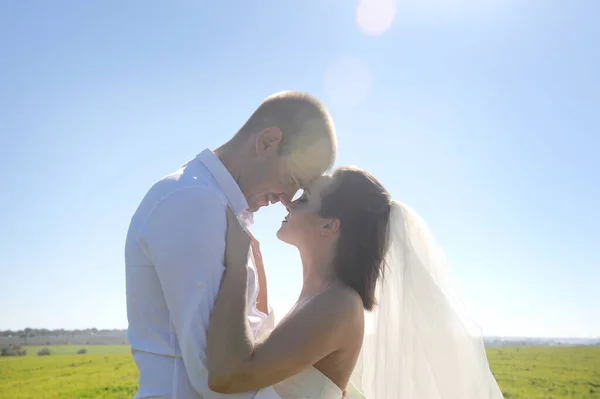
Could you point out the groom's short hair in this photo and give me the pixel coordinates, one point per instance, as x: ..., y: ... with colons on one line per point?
x: 302, y: 118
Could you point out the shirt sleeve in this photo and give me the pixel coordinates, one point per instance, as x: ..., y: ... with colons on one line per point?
x: 185, y: 238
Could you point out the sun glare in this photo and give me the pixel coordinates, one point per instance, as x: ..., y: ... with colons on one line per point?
x: 374, y: 17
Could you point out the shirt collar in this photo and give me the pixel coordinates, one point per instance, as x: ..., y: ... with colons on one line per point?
x: 232, y: 190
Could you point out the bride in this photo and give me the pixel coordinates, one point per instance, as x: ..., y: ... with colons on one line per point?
x: 377, y: 316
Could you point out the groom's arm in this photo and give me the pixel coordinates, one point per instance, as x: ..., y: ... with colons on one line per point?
x: 185, y: 239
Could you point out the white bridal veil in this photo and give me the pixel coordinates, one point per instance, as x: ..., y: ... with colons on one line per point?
x: 419, y: 342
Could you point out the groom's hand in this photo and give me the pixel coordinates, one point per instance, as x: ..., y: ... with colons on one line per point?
x: 255, y: 245
x: 262, y: 303
x: 238, y: 242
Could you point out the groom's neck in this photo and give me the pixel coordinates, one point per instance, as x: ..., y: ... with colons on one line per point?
x: 231, y: 157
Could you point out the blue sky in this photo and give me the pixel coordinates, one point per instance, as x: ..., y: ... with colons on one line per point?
x: 480, y: 115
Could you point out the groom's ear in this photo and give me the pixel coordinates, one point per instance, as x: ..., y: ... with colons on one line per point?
x: 330, y: 228
x: 268, y: 141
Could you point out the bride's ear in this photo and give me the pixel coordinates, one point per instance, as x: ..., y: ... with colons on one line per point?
x: 330, y: 227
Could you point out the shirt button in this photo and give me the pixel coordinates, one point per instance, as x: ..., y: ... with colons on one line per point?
x: 201, y: 286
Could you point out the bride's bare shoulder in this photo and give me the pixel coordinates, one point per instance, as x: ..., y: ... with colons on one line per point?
x: 333, y: 312
x: 344, y: 305
x: 346, y: 301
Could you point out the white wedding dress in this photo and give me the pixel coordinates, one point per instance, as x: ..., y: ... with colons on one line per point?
x: 419, y: 341
x: 309, y: 384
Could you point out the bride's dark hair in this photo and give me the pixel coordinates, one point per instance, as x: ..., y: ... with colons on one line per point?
x: 362, y: 205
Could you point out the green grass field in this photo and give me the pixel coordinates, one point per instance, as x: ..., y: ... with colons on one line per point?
x: 109, y: 372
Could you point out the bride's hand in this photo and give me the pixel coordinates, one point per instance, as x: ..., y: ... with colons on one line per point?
x: 238, y: 242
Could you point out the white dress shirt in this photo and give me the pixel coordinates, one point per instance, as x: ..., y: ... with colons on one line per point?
x: 174, y: 257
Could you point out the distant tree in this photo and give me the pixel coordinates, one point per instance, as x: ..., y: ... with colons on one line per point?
x: 11, y: 350
x: 44, y: 352
x: 82, y: 351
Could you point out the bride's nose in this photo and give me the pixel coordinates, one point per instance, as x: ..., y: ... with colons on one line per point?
x: 285, y: 201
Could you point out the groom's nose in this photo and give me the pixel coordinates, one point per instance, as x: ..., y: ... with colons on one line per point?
x: 273, y: 199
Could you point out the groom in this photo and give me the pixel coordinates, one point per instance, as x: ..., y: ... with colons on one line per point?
x: 176, y: 240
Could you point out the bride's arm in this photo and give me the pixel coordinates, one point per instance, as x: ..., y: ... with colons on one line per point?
x: 236, y: 363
